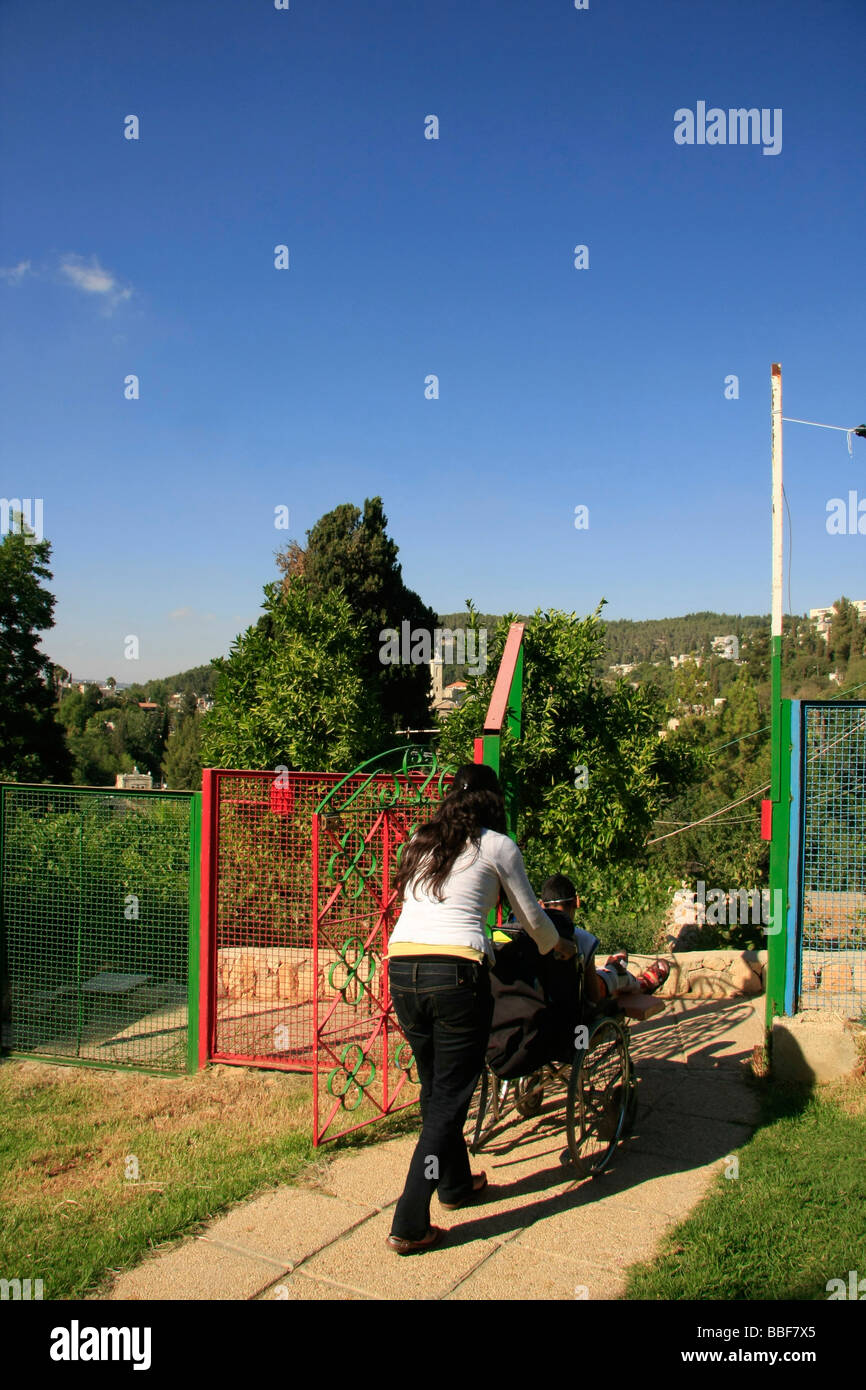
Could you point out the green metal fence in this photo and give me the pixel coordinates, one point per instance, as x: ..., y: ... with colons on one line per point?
x: 99, y: 894
x: 832, y: 897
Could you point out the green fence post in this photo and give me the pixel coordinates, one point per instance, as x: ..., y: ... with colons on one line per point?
x: 778, y: 944
x: 194, y: 964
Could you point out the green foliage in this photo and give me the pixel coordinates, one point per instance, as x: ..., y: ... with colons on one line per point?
x: 727, y: 851
x: 572, y: 722
x: 198, y: 680
x: 658, y: 639
x: 182, y: 764
x: 98, y: 752
x: 77, y: 707
x: 795, y: 1218
x: 293, y: 690
x: 847, y: 634
x: 350, y: 552
x: 142, y: 734
x: 31, y: 743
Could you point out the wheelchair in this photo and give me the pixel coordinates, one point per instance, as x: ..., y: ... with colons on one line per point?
x: 600, y: 1092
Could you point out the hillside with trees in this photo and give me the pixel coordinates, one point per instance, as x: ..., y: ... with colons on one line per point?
x: 637, y: 772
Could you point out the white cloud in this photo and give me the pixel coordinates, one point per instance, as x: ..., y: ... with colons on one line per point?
x: 15, y: 273
x: 94, y: 279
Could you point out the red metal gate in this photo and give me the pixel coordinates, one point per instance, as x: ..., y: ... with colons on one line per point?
x: 257, y: 940
x: 362, y: 1066
x: 295, y: 912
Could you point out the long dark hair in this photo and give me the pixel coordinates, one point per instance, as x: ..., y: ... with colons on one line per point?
x: 474, y: 803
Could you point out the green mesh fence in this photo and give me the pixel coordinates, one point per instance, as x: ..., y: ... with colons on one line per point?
x: 98, y: 908
x: 833, y: 859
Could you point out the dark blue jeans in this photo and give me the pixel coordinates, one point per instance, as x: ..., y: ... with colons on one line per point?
x: 445, y: 1007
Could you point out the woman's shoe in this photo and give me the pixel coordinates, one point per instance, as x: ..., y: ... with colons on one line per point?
x: 409, y: 1247
x: 479, y: 1183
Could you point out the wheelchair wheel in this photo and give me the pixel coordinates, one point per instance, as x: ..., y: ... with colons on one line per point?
x: 599, y: 1096
x: 529, y: 1095
x: 481, y: 1116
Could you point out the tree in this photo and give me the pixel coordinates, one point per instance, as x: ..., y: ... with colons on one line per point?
x: 592, y: 768
x: 733, y: 753
x: 78, y: 708
x: 142, y: 735
x: 845, y: 638
x: 293, y: 691
x: 32, y: 748
x: 182, y: 764
x: 350, y: 551
x: 97, y: 751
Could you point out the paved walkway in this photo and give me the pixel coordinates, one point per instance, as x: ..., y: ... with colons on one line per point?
x: 536, y: 1234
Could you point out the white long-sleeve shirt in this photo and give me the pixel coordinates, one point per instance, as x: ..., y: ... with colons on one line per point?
x: 468, y: 894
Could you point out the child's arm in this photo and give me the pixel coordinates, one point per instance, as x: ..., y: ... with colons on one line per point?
x: 595, y: 989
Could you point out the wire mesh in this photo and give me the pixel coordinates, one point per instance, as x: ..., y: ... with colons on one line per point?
x: 96, y: 924
x: 263, y: 915
x: 364, y: 1064
x: 833, y: 859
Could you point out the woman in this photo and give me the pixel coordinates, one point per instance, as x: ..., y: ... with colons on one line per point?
x: 449, y: 879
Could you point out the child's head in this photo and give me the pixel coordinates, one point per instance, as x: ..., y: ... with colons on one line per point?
x: 559, y: 891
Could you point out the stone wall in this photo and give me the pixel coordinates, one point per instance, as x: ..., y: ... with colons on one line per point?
x: 709, y: 974
x: 271, y: 974
x: 268, y: 974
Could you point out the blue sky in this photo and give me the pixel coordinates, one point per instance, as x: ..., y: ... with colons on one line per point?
x: 305, y: 387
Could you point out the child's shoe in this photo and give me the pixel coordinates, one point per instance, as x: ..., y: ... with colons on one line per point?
x: 653, y: 978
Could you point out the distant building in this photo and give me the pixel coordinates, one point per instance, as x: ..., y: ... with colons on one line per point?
x: 686, y: 656
x: 134, y: 781
x: 437, y: 676
x: 822, y: 617
x: 623, y: 668
x: 147, y: 705
x: 445, y: 698
x: 728, y: 648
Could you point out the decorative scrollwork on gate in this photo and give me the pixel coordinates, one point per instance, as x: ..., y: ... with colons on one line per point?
x: 351, y: 1078
x: 359, y: 964
x: 410, y: 782
x: 404, y: 1060
x: 355, y: 868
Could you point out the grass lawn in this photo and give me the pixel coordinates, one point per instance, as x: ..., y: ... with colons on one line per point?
x: 72, y: 1141
x: 793, y: 1219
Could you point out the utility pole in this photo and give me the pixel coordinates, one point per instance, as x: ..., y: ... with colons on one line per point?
x: 776, y: 813
x: 776, y: 612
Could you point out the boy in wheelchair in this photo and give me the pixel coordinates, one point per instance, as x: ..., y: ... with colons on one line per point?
x: 540, y: 1001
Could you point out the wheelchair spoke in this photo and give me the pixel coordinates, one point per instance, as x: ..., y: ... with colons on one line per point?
x: 598, y: 1096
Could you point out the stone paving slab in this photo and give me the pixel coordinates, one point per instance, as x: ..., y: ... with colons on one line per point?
x: 196, y: 1270
x: 372, y: 1176
x: 711, y: 1095
x: 508, y: 1271
x: 362, y: 1260
x: 286, y: 1225
x: 536, y: 1234
x: 695, y: 1144
x: 299, y: 1288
